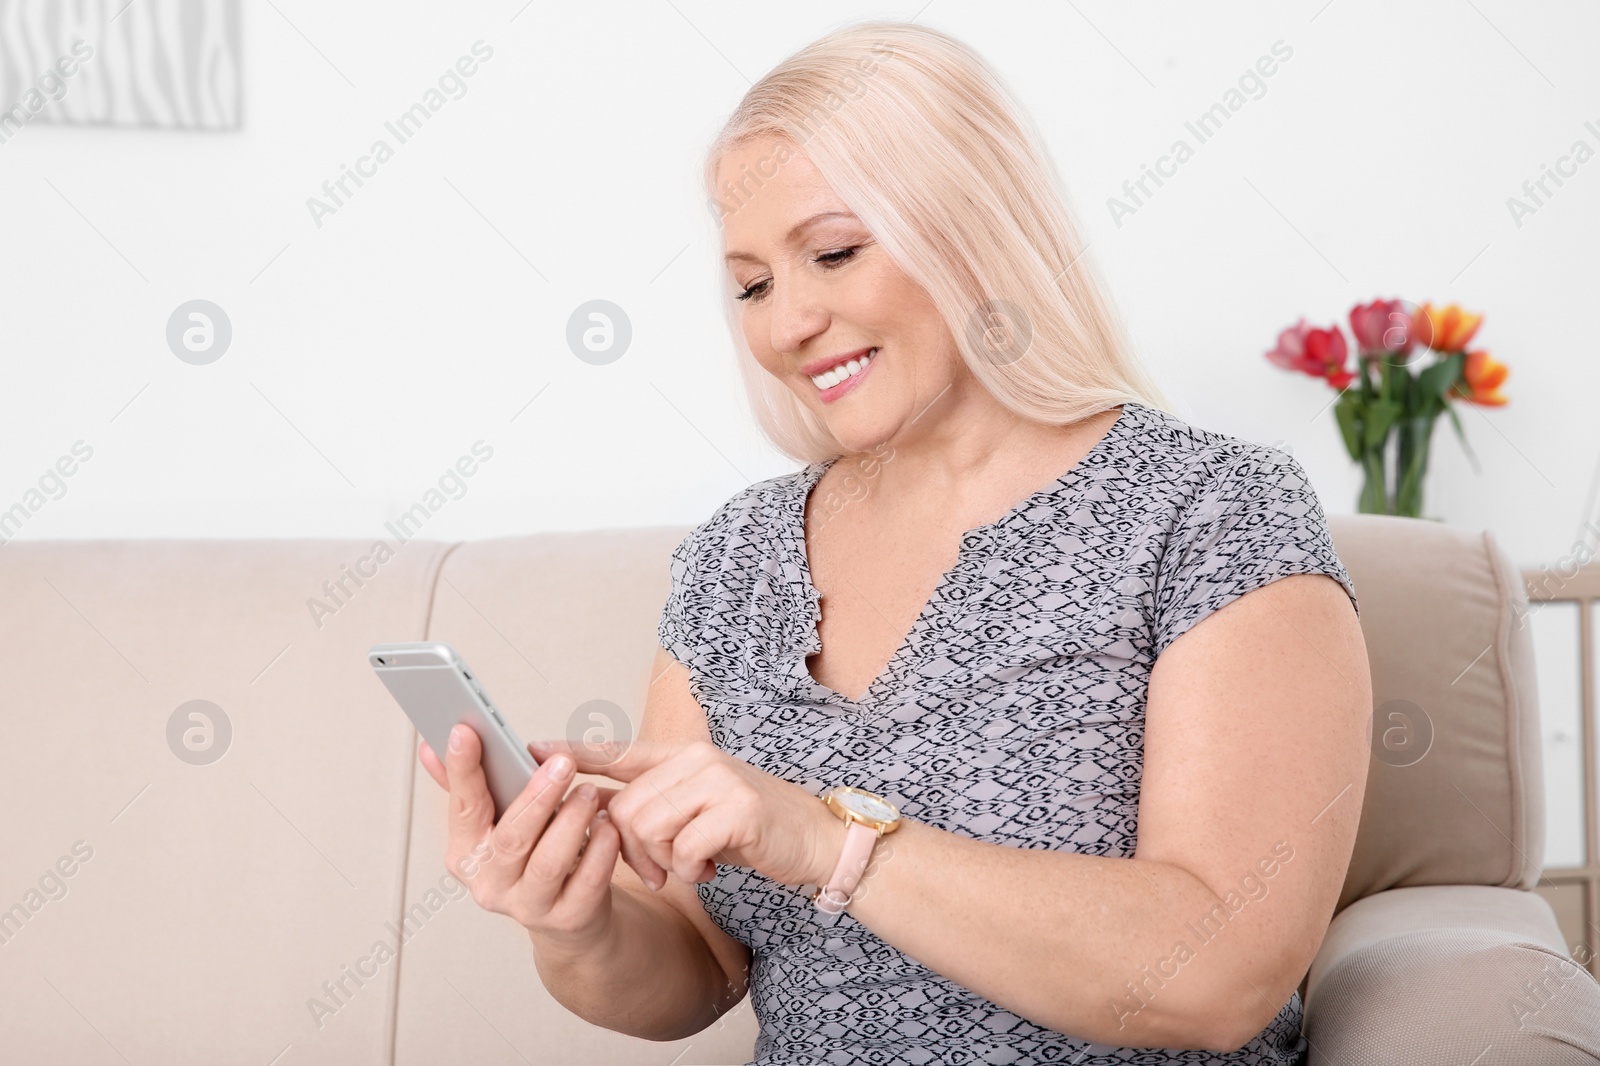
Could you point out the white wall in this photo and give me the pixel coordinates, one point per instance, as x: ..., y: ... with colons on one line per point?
x: 431, y: 307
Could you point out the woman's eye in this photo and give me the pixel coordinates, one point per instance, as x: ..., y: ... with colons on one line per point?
x: 831, y: 259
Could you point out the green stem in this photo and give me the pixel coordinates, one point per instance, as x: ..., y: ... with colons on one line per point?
x: 1405, y: 455
x: 1414, y: 469
x: 1374, y: 492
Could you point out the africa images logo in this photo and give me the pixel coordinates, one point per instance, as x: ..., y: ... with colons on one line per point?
x: 410, y: 121
x: 451, y: 485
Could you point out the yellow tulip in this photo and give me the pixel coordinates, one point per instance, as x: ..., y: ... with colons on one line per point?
x: 1445, y: 329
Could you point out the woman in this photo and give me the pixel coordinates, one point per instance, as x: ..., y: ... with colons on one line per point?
x: 1099, y: 671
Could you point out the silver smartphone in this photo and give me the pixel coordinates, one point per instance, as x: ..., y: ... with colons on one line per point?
x: 433, y: 686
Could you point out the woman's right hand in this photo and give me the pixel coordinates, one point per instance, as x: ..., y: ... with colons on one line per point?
x: 533, y: 865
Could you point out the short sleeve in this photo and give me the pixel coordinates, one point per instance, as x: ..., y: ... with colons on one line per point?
x: 1254, y: 518
x: 675, y: 629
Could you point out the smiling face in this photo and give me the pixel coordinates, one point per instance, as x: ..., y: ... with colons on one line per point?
x: 815, y: 286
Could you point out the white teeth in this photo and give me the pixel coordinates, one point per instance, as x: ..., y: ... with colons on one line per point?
x: 845, y: 370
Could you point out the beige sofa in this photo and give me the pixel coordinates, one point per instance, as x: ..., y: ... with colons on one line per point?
x: 162, y: 908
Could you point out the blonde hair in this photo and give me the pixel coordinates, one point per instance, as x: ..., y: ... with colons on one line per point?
x: 928, y: 148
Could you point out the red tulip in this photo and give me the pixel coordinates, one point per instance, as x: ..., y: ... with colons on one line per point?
x: 1382, y: 327
x: 1319, y: 352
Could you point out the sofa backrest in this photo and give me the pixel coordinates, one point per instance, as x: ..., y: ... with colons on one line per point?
x: 1455, y: 787
x: 292, y: 894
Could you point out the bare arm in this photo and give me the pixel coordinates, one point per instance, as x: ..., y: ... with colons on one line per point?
x: 697, y: 972
x: 1256, y: 748
x: 648, y: 936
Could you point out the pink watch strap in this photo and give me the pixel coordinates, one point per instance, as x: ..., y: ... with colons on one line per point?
x: 858, y: 843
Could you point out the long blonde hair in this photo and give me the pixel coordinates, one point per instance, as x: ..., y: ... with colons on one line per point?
x: 927, y: 146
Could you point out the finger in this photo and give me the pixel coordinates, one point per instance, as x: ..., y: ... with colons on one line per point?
x: 635, y: 855
x: 658, y: 802
x: 694, y: 850
x: 524, y: 820
x: 618, y: 760
x: 687, y: 760
x: 544, y: 750
x: 471, y: 808
x: 605, y: 796
x: 431, y: 763
x: 585, y: 888
x: 556, y: 852
x: 674, y: 817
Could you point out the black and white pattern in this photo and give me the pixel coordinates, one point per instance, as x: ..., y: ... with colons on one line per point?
x: 1012, y: 713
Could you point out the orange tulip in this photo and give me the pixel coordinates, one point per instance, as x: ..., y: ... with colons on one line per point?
x: 1445, y: 329
x: 1481, y: 378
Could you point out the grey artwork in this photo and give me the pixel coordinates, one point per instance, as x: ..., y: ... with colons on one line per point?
x: 159, y: 64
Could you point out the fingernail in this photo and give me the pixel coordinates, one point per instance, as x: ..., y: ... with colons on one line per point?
x: 655, y: 886
x: 560, y: 766
x: 455, y: 738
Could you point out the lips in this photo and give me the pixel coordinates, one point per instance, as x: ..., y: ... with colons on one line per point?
x: 840, y: 380
x: 812, y: 369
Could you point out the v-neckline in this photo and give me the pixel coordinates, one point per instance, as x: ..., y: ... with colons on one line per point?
x: 973, y: 541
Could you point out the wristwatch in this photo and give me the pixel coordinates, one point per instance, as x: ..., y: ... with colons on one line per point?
x: 868, y: 816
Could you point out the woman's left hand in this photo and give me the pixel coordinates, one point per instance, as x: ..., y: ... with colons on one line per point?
x: 688, y: 805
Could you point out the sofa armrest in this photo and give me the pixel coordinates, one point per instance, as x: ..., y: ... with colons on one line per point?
x: 1449, y: 974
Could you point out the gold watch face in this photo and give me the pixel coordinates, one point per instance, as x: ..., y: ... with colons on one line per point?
x: 866, y: 805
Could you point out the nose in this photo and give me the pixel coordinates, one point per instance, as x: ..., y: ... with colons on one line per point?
x: 797, y: 314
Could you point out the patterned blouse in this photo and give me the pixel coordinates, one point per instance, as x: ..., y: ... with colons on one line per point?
x: 1013, y: 712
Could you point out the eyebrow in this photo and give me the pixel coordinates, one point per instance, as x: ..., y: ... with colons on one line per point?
x: 790, y: 236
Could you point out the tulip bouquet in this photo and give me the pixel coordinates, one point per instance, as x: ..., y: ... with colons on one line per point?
x: 1392, y: 392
